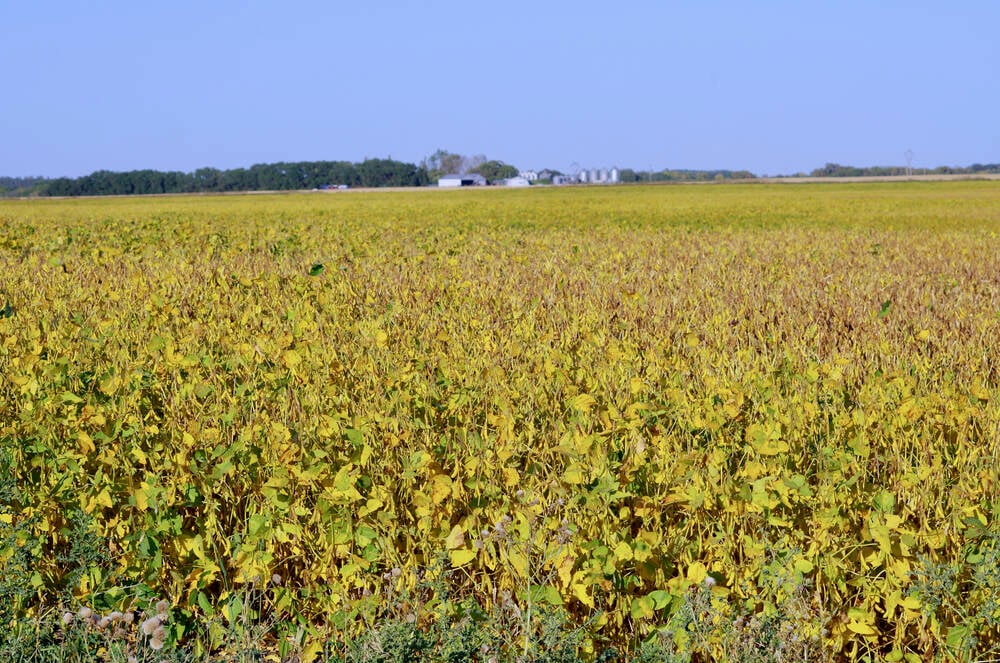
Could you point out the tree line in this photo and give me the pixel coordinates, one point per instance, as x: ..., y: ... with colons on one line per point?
x: 284, y: 176
x: 19, y: 186
x: 837, y: 170
x: 281, y: 176
x: 261, y: 177
x: 629, y: 175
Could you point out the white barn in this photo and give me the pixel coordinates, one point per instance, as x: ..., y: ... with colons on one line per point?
x: 454, y: 180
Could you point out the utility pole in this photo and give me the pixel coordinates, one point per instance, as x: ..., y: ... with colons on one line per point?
x: 909, y: 162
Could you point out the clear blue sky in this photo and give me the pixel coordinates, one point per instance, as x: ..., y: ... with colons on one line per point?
x: 773, y: 87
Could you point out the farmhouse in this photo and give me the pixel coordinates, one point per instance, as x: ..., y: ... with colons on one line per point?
x: 471, y: 179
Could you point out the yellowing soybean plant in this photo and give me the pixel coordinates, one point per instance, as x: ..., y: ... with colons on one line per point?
x: 689, y: 422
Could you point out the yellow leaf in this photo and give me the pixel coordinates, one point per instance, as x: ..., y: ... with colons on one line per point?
x: 564, y: 568
x: 892, y: 521
x: 579, y: 588
x: 311, y: 650
x: 511, y: 477
x: 696, y: 572
x: 103, y: 498
x: 575, y: 474
x: 440, y: 488
x: 772, y: 448
x: 85, y: 443
x: 342, y: 490
x: 880, y: 534
x: 462, y: 557
x: 141, y: 496
x: 456, y: 539
x: 139, y: 455
x: 291, y: 358
x: 582, y: 402
x: 860, y: 628
x: 371, y: 506
x: 676, y: 497
x: 519, y: 563
x: 623, y: 552
x: 765, y: 440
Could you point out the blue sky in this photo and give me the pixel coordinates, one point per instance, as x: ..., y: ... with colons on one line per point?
x: 772, y: 87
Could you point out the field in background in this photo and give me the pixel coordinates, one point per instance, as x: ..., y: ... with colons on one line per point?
x: 667, y: 420
x: 942, y: 177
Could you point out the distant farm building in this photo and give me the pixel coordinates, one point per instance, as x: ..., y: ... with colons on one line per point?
x: 516, y: 181
x: 455, y: 181
x: 599, y: 176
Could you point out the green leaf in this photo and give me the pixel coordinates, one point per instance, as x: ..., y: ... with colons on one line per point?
x: 354, y: 436
x: 886, y: 307
x: 258, y: 525
x: 660, y: 598
x: 205, y: 605
x: 641, y: 551
x: 545, y: 594
x: 233, y: 609
x: 957, y: 636
x: 317, y: 269
x: 642, y: 607
x: 884, y: 501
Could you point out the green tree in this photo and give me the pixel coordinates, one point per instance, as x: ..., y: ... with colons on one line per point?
x: 442, y: 163
x: 207, y: 179
x: 494, y: 171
